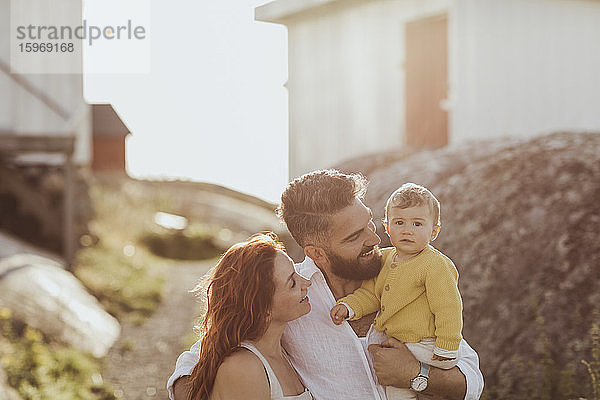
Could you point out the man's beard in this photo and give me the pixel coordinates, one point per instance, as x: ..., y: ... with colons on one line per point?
x: 355, y: 269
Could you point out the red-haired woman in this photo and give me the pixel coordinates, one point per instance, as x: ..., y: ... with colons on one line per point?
x: 252, y: 293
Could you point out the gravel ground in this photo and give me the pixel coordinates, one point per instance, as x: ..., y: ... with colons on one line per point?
x: 143, y: 358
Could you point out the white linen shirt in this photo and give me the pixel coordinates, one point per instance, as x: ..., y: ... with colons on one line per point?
x: 332, y: 360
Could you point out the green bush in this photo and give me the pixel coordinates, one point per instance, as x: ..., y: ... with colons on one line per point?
x: 540, y: 378
x: 593, y: 366
x: 189, y: 244
x: 128, y: 286
x: 39, y: 371
x: 126, y: 278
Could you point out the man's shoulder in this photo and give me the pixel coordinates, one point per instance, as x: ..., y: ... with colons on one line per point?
x: 307, y: 268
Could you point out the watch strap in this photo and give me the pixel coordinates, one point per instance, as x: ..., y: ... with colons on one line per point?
x: 424, y: 370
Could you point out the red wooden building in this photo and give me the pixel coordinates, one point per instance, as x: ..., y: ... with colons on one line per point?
x: 109, y: 133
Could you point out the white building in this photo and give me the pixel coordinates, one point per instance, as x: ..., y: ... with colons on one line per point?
x: 43, y: 105
x: 370, y: 75
x: 44, y: 122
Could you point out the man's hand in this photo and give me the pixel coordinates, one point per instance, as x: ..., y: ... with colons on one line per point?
x: 180, y: 388
x: 339, y: 313
x: 394, y: 364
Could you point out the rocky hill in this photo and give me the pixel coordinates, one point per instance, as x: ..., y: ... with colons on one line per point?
x: 218, y: 207
x: 521, y: 220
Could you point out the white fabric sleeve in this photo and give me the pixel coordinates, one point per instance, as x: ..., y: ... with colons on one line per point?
x: 350, y: 310
x: 468, y: 364
x: 184, y: 366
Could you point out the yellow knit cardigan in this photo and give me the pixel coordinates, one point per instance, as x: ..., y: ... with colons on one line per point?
x: 417, y: 298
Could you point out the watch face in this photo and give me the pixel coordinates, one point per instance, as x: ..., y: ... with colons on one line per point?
x: 419, y: 383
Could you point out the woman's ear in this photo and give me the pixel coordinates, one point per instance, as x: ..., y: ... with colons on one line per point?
x: 435, y: 232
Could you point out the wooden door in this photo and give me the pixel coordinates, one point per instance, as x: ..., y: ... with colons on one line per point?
x: 426, y: 82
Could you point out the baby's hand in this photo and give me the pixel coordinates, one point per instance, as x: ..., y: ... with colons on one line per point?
x: 339, y: 313
x: 440, y: 358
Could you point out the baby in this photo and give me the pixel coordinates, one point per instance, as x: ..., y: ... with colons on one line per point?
x: 416, y: 292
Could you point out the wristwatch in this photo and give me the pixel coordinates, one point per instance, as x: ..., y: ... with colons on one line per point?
x: 419, y: 382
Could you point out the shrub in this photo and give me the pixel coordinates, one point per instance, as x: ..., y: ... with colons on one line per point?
x: 193, y: 243
x: 542, y: 379
x: 128, y: 286
x: 125, y: 277
x: 39, y: 370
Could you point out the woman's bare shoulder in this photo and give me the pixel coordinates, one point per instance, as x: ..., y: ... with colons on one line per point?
x: 242, y: 360
x: 242, y: 375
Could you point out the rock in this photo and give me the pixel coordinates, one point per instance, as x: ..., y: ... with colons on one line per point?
x: 11, y: 245
x: 50, y: 299
x: 520, y: 221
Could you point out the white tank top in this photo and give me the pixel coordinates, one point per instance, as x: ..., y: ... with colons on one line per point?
x: 276, y: 391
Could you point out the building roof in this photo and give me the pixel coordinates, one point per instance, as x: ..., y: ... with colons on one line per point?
x: 279, y: 10
x: 106, y: 122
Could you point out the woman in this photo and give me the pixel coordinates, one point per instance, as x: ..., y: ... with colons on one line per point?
x: 252, y: 293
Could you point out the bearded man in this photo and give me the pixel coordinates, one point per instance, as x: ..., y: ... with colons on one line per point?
x: 325, y: 213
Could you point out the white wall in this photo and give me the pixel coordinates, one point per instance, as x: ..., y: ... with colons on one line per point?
x: 346, y: 80
x: 22, y: 113
x: 523, y: 67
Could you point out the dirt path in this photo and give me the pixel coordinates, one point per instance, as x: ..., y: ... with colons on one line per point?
x: 142, y: 360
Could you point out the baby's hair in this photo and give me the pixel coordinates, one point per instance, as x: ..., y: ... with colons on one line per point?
x: 413, y: 195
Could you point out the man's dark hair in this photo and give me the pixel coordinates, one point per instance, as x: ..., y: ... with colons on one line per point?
x: 310, y: 200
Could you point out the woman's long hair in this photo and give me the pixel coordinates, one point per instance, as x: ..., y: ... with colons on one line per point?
x: 239, y: 296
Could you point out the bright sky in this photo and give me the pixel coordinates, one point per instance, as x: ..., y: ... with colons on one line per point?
x: 214, y: 107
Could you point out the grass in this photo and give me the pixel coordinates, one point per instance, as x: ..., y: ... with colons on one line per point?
x: 188, y: 341
x: 125, y: 259
x: 195, y: 242
x: 125, y: 277
x: 593, y: 366
x: 540, y: 378
x: 119, y: 269
x: 116, y: 268
x: 129, y: 287
x: 39, y: 370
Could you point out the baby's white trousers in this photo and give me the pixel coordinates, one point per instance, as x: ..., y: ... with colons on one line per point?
x: 423, y: 351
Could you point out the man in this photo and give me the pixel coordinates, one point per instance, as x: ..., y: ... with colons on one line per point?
x: 324, y: 212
